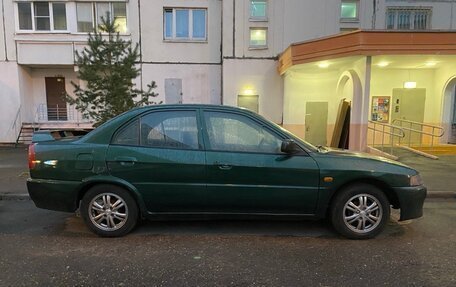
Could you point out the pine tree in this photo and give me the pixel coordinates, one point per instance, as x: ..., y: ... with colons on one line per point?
x: 107, y: 67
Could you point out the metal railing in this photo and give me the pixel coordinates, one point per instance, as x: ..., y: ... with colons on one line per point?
x: 385, y: 129
x: 67, y: 113
x: 418, y: 128
x: 16, y: 126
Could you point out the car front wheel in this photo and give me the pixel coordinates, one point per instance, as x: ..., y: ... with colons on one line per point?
x: 360, y: 211
x: 109, y: 210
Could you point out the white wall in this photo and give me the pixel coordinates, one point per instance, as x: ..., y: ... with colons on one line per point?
x: 200, y: 83
x: 385, y: 80
x: 289, y: 21
x: 301, y: 88
x: 261, y: 77
x: 155, y: 49
x: 9, y: 99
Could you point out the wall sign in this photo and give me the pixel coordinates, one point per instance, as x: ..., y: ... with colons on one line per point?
x: 380, y: 109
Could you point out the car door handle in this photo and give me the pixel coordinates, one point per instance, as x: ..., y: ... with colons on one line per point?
x: 126, y: 160
x: 223, y: 166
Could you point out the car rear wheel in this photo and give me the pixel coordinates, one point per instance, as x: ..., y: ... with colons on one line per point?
x: 109, y: 210
x: 360, y: 211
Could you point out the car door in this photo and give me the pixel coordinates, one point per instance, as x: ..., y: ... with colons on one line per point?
x: 247, y: 172
x: 161, y: 154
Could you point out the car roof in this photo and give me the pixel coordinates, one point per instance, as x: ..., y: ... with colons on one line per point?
x: 194, y: 106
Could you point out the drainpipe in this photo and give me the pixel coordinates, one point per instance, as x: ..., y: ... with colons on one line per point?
x: 140, y: 45
x: 4, y: 30
x: 374, y: 13
x: 451, y: 17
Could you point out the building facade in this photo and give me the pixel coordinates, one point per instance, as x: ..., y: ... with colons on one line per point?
x: 228, y: 52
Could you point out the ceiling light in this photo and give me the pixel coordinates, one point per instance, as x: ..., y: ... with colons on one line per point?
x: 430, y: 64
x: 409, y: 85
x: 383, y: 64
x: 323, y: 65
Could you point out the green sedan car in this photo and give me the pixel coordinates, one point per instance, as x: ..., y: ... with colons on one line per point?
x: 204, y: 161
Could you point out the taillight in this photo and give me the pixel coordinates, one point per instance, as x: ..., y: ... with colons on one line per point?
x: 31, y: 156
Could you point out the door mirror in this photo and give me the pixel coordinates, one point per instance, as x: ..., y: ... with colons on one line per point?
x: 290, y: 146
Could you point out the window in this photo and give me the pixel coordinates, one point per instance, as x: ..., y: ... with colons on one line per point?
x: 177, y: 129
x: 25, y: 15
x: 258, y: 10
x: 185, y: 24
x: 128, y: 135
x: 237, y: 133
x: 408, y: 18
x: 258, y: 37
x: 42, y: 16
x: 87, y: 12
x: 84, y: 15
x: 349, y: 11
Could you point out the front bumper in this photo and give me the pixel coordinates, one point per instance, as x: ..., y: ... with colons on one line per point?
x: 54, y: 194
x: 411, y: 200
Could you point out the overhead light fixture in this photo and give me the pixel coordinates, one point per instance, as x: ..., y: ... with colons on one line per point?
x: 323, y: 65
x: 409, y: 85
x: 248, y: 91
x: 430, y: 64
x: 383, y: 64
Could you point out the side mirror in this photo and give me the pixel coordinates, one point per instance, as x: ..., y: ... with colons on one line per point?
x: 290, y: 146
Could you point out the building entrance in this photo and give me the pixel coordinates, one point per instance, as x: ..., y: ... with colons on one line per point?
x: 316, y: 122
x: 408, y: 104
x: 56, y: 105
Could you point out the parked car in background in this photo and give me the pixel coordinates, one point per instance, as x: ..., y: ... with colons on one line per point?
x: 204, y: 161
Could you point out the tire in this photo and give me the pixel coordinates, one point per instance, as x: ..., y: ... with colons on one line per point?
x: 360, y: 211
x: 109, y: 210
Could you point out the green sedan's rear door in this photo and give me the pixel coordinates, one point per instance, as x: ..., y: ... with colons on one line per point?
x: 247, y: 172
x: 161, y: 154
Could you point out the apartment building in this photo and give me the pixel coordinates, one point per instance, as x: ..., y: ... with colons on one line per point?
x: 258, y: 54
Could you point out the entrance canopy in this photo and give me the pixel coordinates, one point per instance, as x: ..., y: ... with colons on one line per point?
x: 384, y: 75
x: 369, y: 43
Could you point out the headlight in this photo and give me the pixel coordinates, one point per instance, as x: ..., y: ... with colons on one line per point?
x: 416, y: 180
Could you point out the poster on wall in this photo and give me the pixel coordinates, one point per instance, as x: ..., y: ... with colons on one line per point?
x: 380, y: 109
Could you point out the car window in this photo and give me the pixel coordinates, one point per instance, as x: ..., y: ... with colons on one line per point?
x: 233, y: 132
x: 128, y: 135
x: 173, y: 129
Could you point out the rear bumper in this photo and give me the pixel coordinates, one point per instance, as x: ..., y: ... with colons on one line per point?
x: 54, y: 194
x: 411, y: 200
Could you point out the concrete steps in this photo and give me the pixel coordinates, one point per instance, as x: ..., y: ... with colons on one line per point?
x: 26, y: 133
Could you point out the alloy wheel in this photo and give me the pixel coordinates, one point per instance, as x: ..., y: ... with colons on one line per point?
x: 362, y: 213
x: 108, y: 211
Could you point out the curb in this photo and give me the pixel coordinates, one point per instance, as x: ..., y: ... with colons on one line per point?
x: 15, y: 196
x: 441, y: 194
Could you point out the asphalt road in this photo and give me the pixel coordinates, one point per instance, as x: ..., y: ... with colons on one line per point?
x: 46, y: 248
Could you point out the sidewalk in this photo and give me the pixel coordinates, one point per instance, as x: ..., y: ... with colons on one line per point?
x: 13, y: 173
x: 439, y: 175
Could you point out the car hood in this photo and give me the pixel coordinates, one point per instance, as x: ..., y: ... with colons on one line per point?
x: 355, y: 154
